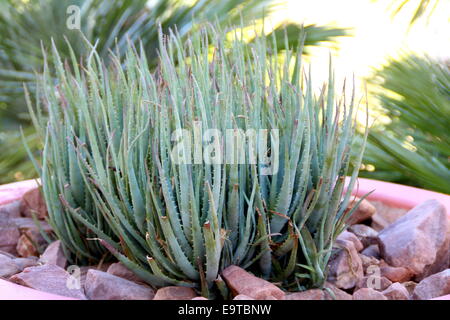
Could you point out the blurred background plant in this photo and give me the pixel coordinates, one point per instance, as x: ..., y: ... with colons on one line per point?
x: 28, y: 26
x: 413, y: 147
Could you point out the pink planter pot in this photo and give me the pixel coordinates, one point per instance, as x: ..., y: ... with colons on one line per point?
x: 392, y: 194
x: 14, y: 191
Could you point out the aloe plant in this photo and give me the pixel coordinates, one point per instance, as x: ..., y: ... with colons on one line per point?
x: 119, y: 171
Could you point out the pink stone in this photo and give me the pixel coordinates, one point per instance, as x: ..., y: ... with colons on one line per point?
x: 10, y: 210
x: 54, y: 254
x: 345, y: 235
x: 368, y: 294
x: 396, y: 274
x: 175, y: 293
x: 242, y: 297
x: 48, y: 278
x: 7, y: 267
x: 345, y: 268
x: 119, y: 270
x: 312, y: 294
x: 419, y: 240
x: 242, y: 282
x: 364, y: 233
x: 433, y: 286
x: 33, y: 203
x: 104, y: 286
x: 9, y: 236
x: 396, y: 291
x: 364, y: 211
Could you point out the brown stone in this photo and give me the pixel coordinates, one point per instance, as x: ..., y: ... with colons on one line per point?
x: 242, y: 297
x: 10, y: 210
x: 410, y: 286
x: 312, y: 294
x: 372, y: 251
x: 419, y: 240
x: 364, y: 211
x: 375, y: 282
x: 396, y: 291
x: 104, y: 286
x: 175, y: 293
x: 54, y: 254
x: 242, y: 282
x: 345, y: 235
x: 33, y: 204
x: 433, y: 286
x: 337, y: 294
x: 48, y: 278
x: 364, y: 233
x: 23, y: 263
x: 385, y: 215
x: 25, y: 224
x: 7, y: 267
x: 345, y: 267
x: 368, y: 294
x: 368, y: 262
x: 85, y: 269
x: 9, y: 236
x: 29, y: 244
x: 119, y: 270
x: 396, y: 274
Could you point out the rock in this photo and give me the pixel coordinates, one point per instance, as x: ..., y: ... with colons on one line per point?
x: 385, y: 215
x: 368, y: 294
x: 396, y: 291
x: 345, y: 235
x: 9, y: 236
x: 242, y: 282
x: 33, y: 204
x: 345, y: 267
x: 364, y: 233
x: 119, y: 270
x: 10, y: 210
x: 48, y: 278
x: 242, y: 297
x: 312, y: 294
x: 368, y: 262
x: 410, y: 286
x: 199, y: 298
x: 338, y: 294
x: 54, y: 254
x: 104, y: 286
x: 29, y: 244
x: 375, y: 282
x: 419, y: 240
x: 9, y: 255
x: 396, y: 274
x: 7, y: 267
x: 364, y: 211
x: 25, y: 224
x: 175, y: 293
x: 434, y: 286
x: 372, y: 251
x: 23, y: 263
x: 85, y: 269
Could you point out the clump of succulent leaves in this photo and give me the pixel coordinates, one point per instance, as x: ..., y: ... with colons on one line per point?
x: 113, y: 182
